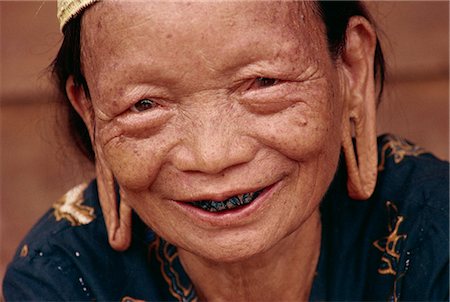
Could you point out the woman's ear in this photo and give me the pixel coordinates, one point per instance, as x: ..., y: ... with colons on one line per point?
x: 359, y: 115
x: 80, y: 102
x: 117, y: 217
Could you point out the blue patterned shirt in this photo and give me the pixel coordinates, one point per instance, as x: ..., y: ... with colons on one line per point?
x: 392, y: 247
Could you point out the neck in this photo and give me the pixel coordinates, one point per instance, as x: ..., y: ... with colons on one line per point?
x: 285, y: 272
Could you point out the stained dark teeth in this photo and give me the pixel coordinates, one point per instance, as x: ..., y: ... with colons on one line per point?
x: 234, y: 201
x: 218, y: 206
x: 231, y: 203
x: 256, y: 194
x: 246, y: 198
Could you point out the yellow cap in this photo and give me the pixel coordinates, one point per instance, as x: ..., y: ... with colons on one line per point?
x: 67, y: 9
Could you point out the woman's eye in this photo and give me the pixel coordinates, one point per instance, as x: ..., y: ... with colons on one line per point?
x: 262, y: 82
x: 142, y: 105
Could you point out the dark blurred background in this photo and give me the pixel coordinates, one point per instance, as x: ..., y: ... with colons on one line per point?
x: 39, y: 164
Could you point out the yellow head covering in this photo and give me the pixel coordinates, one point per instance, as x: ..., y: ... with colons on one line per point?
x: 67, y: 9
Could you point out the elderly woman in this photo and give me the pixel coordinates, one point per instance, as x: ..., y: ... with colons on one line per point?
x: 236, y: 160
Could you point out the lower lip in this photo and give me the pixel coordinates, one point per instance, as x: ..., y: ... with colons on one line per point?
x: 229, y: 217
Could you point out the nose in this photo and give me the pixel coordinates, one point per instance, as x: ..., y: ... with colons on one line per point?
x: 214, y: 144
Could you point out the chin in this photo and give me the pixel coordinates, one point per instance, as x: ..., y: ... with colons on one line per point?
x: 230, y: 248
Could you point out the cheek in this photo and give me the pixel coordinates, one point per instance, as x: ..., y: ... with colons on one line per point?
x: 136, y: 162
x: 305, y: 130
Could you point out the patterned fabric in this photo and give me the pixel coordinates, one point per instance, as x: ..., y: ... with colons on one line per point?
x: 70, y: 207
x: 68, y: 9
x: 170, y: 267
x: 392, y: 247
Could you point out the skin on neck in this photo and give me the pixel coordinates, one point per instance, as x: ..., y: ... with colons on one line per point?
x: 285, y: 272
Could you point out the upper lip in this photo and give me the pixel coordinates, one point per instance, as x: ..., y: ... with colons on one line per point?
x: 220, y: 196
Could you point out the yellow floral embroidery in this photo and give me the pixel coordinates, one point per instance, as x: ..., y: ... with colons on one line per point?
x: 389, y: 244
x: 24, y: 251
x: 70, y: 207
x: 399, y: 148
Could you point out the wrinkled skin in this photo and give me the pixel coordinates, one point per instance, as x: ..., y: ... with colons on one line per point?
x: 214, y: 130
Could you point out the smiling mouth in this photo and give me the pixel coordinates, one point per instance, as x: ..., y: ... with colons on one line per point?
x: 228, y: 204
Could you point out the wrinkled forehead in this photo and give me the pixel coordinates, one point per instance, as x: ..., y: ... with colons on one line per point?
x: 124, y: 13
x: 168, y: 29
x: 192, y: 17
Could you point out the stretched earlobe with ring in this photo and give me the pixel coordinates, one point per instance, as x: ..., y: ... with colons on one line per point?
x: 359, y: 115
x: 117, y: 217
x: 361, y: 160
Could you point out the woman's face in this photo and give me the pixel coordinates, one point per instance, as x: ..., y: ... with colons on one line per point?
x: 198, y: 101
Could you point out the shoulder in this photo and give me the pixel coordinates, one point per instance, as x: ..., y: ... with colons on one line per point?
x: 396, y: 243
x: 413, y: 185
x: 66, y: 256
x: 408, y: 168
x: 42, y: 256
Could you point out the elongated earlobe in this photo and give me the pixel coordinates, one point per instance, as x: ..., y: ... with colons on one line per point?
x: 360, y: 109
x: 117, y: 217
x: 362, y: 162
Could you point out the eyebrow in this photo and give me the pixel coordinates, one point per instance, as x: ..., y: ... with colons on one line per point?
x: 239, y: 63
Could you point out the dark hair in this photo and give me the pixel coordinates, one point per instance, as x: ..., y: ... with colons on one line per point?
x: 335, y: 15
x: 68, y: 63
